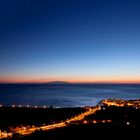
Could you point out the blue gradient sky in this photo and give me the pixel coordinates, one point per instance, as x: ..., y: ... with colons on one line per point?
x: 74, y: 40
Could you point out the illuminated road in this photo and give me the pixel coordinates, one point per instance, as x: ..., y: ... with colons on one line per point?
x: 29, y: 130
x: 61, y: 124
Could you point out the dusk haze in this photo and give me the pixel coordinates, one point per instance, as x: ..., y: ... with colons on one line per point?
x: 69, y: 40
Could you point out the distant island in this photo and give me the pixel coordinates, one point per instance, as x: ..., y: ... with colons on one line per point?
x: 58, y: 82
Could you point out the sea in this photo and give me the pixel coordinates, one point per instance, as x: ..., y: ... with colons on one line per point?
x: 65, y: 95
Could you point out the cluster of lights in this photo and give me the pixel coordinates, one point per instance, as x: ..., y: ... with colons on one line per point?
x: 121, y: 103
x: 28, y: 106
x: 97, y: 121
x: 5, y: 134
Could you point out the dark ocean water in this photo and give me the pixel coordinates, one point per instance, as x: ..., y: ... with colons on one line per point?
x: 65, y: 95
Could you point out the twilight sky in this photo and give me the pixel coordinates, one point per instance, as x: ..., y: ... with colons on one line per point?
x: 70, y: 40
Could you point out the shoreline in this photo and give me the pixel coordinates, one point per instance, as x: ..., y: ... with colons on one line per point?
x: 105, y: 101
x: 25, y: 120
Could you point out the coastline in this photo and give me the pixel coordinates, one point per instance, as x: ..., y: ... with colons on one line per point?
x: 25, y: 121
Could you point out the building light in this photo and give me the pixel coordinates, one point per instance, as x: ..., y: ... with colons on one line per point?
x: 94, y: 121
x: 13, y: 105
x: 109, y: 120
x: 103, y: 121
x: 85, y: 122
x: 44, y: 106
x: 103, y: 108
x: 57, y: 107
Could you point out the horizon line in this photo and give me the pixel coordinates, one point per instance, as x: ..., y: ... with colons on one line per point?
x: 68, y: 82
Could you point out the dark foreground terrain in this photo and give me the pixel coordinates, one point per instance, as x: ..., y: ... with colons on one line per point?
x: 125, y: 124
x: 17, y: 116
x: 121, y: 122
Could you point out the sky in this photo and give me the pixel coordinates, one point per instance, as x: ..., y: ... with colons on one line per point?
x: 69, y: 40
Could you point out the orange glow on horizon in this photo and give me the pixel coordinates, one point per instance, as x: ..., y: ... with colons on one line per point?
x: 78, y: 79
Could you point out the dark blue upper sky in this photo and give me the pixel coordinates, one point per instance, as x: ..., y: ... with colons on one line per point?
x: 76, y: 40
